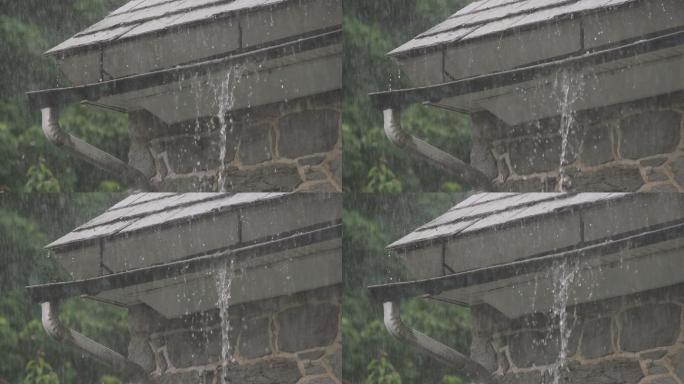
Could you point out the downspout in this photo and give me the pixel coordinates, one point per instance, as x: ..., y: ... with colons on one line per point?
x: 101, y: 353
x: 101, y: 159
x: 460, y: 170
x: 425, y: 344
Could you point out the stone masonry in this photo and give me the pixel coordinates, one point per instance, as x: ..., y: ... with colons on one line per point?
x: 636, y: 339
x: 288, y: 146
x: 286, y: 340
x: 631, y: 147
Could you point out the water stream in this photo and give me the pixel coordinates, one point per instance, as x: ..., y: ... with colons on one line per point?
x: 564, y: 275
x: 569, y: 85
x: 225, y: 101
x: 224, y: 282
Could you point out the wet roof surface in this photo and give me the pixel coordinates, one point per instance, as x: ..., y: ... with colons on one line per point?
x: 146, y: 210
x: 489, y: 210
x: 488, y: 17
x: 140, y: 17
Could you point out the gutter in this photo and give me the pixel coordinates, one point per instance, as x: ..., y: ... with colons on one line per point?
x: 99, y: 352
x: 93, y: 155
x: 434, y: 93
x: 535, y: 264
x: 460, y: 170
x: 96, y: 91
x: 433, y: 348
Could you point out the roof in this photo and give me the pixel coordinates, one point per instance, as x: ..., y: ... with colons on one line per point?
x: 490, y: 17
x: 147, y: 210
x: 143, y: 17
x: 491, y: 210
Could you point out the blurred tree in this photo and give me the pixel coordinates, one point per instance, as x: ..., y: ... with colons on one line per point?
x: 371, y: 162
x: 27, y: 222
x: 371, y: 355
x: 30, y: 163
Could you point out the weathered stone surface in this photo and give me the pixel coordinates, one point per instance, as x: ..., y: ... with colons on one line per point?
x: 611, y: 179
x: 534, y: 154
x: 677, y: 168
x: 481, y: 158
x: 269, y: 178
x: 533, y: 348
x: 653, y: 369
x: 314, y: 174
x: 312, y: 355
x: 313, y: 367
x: 255, y: 338
x: 650, y: 133
x: 653, y: 162
x: 678, y: 364
x: 278, y: 370
x: 188, y: 154
x: 193, y: 183
x: 255, y: 144
x: 307, y: 326
x: 334, y: 361
x: 140, y: 352
x: 649, y: 326
x: 522, y: 378
x: 663, y: 187
x: 481, y: 351
x: 308, y: 132
x: 529, y: 184
x: 596, y: 338
x: 311, y: 160
x: 186, y: 349
x: 604, y: 372
x: 317, y: 380
x: 653, y: 355
x: 663, y: 380
x: 597, y: 147
x: 199, y: 377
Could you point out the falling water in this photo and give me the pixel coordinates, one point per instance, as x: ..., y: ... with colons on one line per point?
x: 225, y: 100
x: 563, y: 278
x: 223, y: 286
x: 569, y: 85
x: 196, y: 86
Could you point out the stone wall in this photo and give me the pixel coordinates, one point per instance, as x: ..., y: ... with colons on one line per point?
x: 626, y: 340
x: 287, y: 340
x: 288, y: 146
x: 631, y: 147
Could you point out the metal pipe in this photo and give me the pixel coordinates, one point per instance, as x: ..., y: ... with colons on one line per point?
x: 463, y: 172
x: 425, y: 344
x: 101, y: 159
x: 101, y: 353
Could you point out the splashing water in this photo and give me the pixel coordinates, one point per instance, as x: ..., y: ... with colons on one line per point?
x: 570, y: 85
x: 564, y: 276
x: 223, y: 287
x: 225, y: 99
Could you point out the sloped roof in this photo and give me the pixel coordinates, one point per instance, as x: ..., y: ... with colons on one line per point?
x: 491, y: 210
x: 140, y: 17
x: 489, y: 17
x: 145, y: 210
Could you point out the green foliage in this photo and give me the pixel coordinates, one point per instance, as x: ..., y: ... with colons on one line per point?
x: 371, y: 162
x: 40, y: 372
x: 29, y: 355
x: 30, y: 163
x: 381, y: 371
x: 371, y: 355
